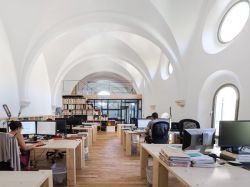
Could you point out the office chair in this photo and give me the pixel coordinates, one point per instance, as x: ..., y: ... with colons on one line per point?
x: 175, y: 126
x: 55, y: 154
x: 160, y: 132
x: 9, y: 153
x: 187, y: 124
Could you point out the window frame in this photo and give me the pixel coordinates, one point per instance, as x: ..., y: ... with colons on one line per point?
x: 223, y: 19
x: 237, y: 101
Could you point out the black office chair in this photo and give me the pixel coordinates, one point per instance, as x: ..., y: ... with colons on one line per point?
x: 187, y: 124
x: 175, y: 126
x: 160, y: 132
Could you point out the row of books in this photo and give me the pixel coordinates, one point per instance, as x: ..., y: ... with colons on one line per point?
x: 200, y: 160
x: 174, y: 157
x: 178, y: 158
x: 243, y: 158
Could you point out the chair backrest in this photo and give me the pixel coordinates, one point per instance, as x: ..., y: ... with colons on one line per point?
x: 188, y: 124
x: 160, y: 132
x: 175, y: 126
x: 9, y: 152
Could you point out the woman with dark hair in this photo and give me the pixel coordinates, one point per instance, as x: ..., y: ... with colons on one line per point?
x: 16, y: 129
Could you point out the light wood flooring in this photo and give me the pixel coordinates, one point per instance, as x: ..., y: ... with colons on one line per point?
x: 108, y: 166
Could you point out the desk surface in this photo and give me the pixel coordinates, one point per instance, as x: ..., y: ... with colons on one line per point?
x: 23, y: 178
x: 82, y: 128
x: 226, y: 175
x: 60, y: 144
x: 136, y: 132
x: 153, y: 149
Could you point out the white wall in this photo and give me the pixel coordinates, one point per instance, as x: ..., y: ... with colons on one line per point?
x: 8, y: 78
x: 231, y: 65
x: 39, y: 94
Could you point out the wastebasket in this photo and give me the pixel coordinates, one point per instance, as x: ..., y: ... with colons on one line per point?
x: 59, y: 172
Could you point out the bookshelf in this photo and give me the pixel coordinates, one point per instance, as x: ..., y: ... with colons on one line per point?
x: 76, y: 105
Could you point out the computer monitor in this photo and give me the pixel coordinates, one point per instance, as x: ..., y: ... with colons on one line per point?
x: 198, y: 139
x: 143, y: 123
x: 234, y: 134
x: 29, y: 127
x: 46, y: 127
x: 61, y: 125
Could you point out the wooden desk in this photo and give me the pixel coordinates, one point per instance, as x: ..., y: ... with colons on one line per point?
x: 153, y: 150
x: 26, y: 178
x: 74, y: 158
x: 123, y: 136
x: 86, y: 135
x: 83, y: 139
x: 128, y: 140
x: 94, y: 126
x: 174, y: 137
x: 119, y: 126
x: 229, y: 176
x: 86, y: 129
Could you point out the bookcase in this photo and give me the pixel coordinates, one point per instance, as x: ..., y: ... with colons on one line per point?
x: 76, y: 105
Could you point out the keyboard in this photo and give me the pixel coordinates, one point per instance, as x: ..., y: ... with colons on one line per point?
x: 31, y: 142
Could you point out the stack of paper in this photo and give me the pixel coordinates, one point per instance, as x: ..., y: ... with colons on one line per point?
x: 200, y: 160
x: 243, y: 158
x: 174, y: 157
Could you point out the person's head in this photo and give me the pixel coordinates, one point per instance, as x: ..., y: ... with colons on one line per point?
x: 165, y: 115
x: 154, y: 115
x: 15, y: 126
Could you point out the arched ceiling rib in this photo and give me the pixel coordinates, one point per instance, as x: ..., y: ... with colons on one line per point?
x: 55, y: 28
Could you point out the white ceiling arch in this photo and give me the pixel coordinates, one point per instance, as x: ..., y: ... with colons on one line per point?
x: 78, y: 71
x: 99, y: 62
x: 131, y: 25
x: 106, y: 46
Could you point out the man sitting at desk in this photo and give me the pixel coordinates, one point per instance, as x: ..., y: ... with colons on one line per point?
x: 157, y: 130
x: 16, y: 129
x: 148, y: 138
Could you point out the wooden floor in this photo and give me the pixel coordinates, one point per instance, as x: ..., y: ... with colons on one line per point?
x: 108, y: 166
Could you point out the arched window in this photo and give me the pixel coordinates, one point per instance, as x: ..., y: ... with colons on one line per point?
x: 233, y: 21
x: 225, y: 105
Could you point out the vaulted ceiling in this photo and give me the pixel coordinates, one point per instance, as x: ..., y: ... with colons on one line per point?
x: 125, y: 36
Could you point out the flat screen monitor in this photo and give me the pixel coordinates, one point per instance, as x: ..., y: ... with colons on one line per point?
x: 234, y: 134
x: 143, y: 123
x: 195, y: 139
x: 61, y: 125
x: 29, y: 127
x: 46, y: 127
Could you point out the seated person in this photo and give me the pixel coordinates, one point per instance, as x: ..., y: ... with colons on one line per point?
x: 159, y: 128
x: 16, y: 128
x: 148, y: 138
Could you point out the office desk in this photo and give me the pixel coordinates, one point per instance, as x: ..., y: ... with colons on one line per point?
x: 86, y: 129
x: 81, y: 138
x: 224, y: 176
x: 26, y: 178
x: 119, y: 126
x: 153, y: 150
x: 123, y: 136
x: 94, y: 127
x: 128, y: 140
x: 174, y: 137
x: 74, y: 158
